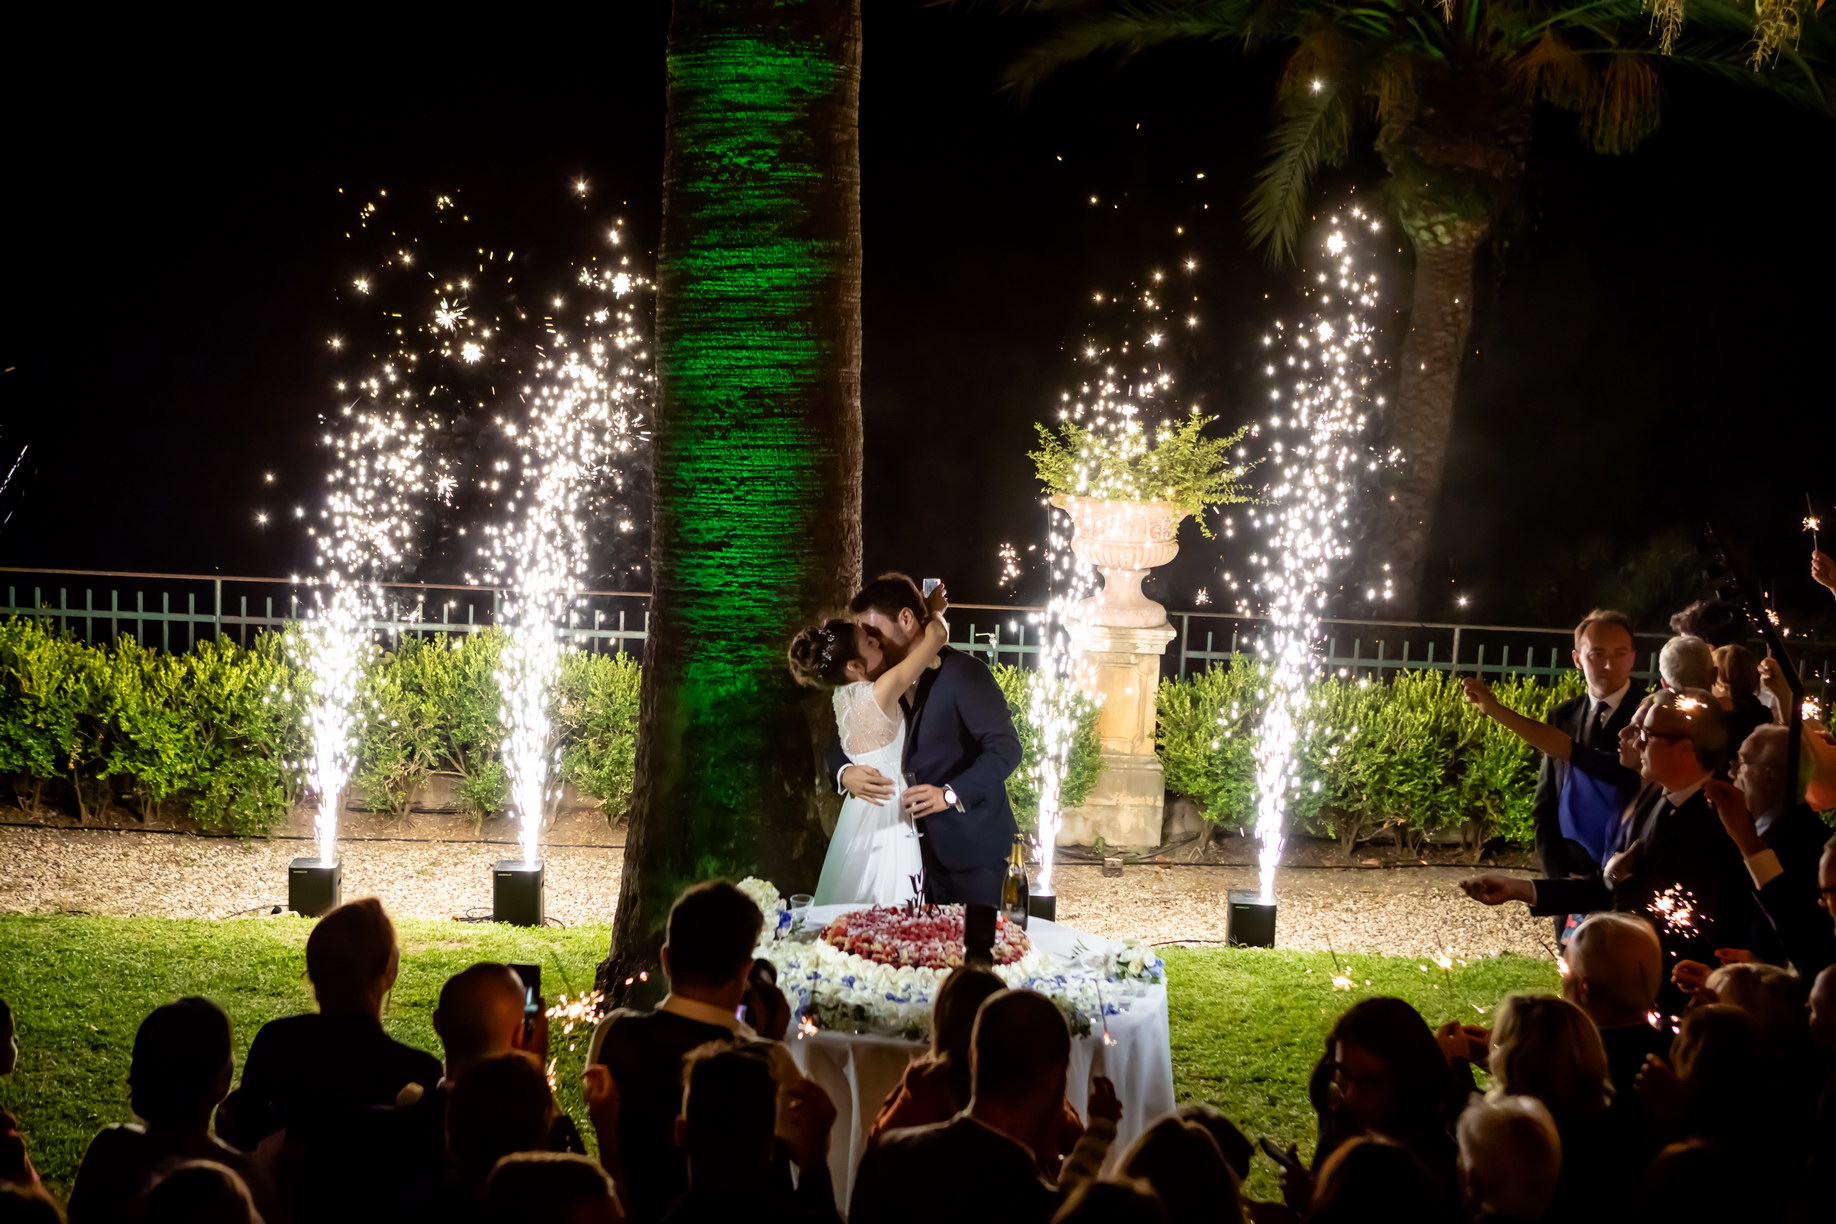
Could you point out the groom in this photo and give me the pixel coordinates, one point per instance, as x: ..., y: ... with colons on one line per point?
x: 959, y: 747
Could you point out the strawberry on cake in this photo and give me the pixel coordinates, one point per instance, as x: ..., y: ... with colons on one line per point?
x: 924, y: 938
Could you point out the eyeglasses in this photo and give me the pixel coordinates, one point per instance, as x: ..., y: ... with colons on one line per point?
x: 1644, y: 735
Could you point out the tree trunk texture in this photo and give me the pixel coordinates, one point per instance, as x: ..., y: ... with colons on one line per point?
x: 757, y: 442
x: 1440, y: 320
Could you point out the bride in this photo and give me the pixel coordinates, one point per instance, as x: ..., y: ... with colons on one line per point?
x: 873, y: 857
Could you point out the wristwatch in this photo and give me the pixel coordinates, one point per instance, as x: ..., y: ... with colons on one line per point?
x: 950, y: 798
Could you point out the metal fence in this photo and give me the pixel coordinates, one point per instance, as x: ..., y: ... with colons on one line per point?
x: 174, y: 611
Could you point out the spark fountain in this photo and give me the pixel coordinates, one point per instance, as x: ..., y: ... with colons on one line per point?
x: 381, y: 469
x: 1322, y: 373
x: 583, y: 404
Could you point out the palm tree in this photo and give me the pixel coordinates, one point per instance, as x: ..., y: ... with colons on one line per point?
x: 757, y: 446
x: 1446, y: 92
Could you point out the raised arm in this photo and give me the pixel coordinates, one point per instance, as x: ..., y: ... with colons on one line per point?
x: 902, y: 675
x: 1551, y: 741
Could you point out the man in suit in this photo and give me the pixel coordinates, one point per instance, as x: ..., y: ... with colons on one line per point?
x: 1669, y: 845
x: 960, y: 746
x: 1781, y: 842
x: 980, y: 1164
x: 1575, y: 807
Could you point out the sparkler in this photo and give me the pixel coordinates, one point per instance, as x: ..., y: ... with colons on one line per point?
x: 1675, y: 908
x: 1321, y: 385
x: 1812, y: 523
x: 584, y: 405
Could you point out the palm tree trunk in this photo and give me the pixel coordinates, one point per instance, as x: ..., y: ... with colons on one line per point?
x: 1440, y: 319
x: 757, y: 441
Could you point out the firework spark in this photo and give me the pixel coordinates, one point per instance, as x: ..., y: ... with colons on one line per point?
x: 584, y: 405
x: 1321, y: 387
x: 1675, y: 908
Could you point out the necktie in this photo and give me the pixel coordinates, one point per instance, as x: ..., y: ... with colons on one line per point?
x: 1602, y: 713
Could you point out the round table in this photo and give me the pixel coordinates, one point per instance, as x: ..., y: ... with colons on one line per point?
x: 857, y: 1070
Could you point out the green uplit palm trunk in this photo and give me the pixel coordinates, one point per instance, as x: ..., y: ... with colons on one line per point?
x: 757, y: 447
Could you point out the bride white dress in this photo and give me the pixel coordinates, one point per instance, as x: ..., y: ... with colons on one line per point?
x: 873, y: 856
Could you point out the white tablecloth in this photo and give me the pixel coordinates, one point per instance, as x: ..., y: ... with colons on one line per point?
x: 857, y: 1070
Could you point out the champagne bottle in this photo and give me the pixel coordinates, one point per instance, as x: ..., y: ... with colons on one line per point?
x: 1014, y: 888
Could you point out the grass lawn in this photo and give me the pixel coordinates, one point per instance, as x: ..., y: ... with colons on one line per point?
x: 1247, y: 1025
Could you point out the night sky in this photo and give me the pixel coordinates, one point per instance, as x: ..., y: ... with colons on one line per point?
x: 1652, y: 344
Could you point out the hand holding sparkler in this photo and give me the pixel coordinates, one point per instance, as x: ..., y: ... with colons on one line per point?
x: 1479, y: 693
x: 1773, y: 685
x: 1691, y: 977
x: 1731, y: 805
x: 1495, y: 889
x: 1823, y: 569
x: 1103, y: 1102
x: 1464, y: 1042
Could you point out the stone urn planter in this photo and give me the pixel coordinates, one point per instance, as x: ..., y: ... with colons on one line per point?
x: 1123, y: 540
x: 1120, y: 635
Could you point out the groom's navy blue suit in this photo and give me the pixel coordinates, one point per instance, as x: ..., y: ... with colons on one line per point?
x: 958, y: 734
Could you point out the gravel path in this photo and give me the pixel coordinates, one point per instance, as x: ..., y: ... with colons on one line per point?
x: 1406, y: 912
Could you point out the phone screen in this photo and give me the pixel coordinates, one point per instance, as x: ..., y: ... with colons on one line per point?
x: 931, y: 584
x: 531, y: 976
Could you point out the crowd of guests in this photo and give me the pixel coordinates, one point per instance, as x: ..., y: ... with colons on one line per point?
x: 1688, y: 1067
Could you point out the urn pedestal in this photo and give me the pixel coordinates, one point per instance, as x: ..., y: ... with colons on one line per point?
x: 1120, y: 635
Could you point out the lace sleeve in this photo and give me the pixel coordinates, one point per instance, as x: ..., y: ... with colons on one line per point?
x: 860, y: 722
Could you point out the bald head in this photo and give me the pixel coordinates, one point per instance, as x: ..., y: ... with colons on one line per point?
x: 1615, y: 966
x: 1759, y: 769
x: 480, y: 1014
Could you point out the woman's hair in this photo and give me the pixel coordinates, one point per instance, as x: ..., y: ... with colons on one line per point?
x: 350, y: 953
x: 819, y: 655
x: 1182, y: 1162
x: 1394, y: 1033
x: 1739, y: 669
x: 953, y: 1023
x: 1111, y: 1202
x: 1546, y: 1047
x: 1722, y: 1059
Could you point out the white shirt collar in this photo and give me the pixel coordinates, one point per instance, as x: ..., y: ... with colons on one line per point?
x: 1611, y: 700
x: 1681, y: 797
x: 706, y: 1013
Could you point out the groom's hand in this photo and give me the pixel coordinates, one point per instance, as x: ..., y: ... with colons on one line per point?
x: 922, y: 801
x: 866, y: 782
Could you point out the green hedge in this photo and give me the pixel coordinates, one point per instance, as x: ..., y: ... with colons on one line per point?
x: 1407, y: 753
x: 1082, y: 765
x: 218, y: 730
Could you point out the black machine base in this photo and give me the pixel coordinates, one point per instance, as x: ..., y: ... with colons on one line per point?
x: 1042, y: 905
x: 1252, y: 920
x: 516, y: 892
x: 313, y: 885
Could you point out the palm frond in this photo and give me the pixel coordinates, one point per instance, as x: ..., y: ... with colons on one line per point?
x: 1128, y: 28
x: 1625, y: 106
x: 1313, y: 128
x: 1556, y: 71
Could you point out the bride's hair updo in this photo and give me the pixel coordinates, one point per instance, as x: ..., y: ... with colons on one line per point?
x: 819, y: 655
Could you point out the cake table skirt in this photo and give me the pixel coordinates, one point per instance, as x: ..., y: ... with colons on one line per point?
x: 857, y: 1070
